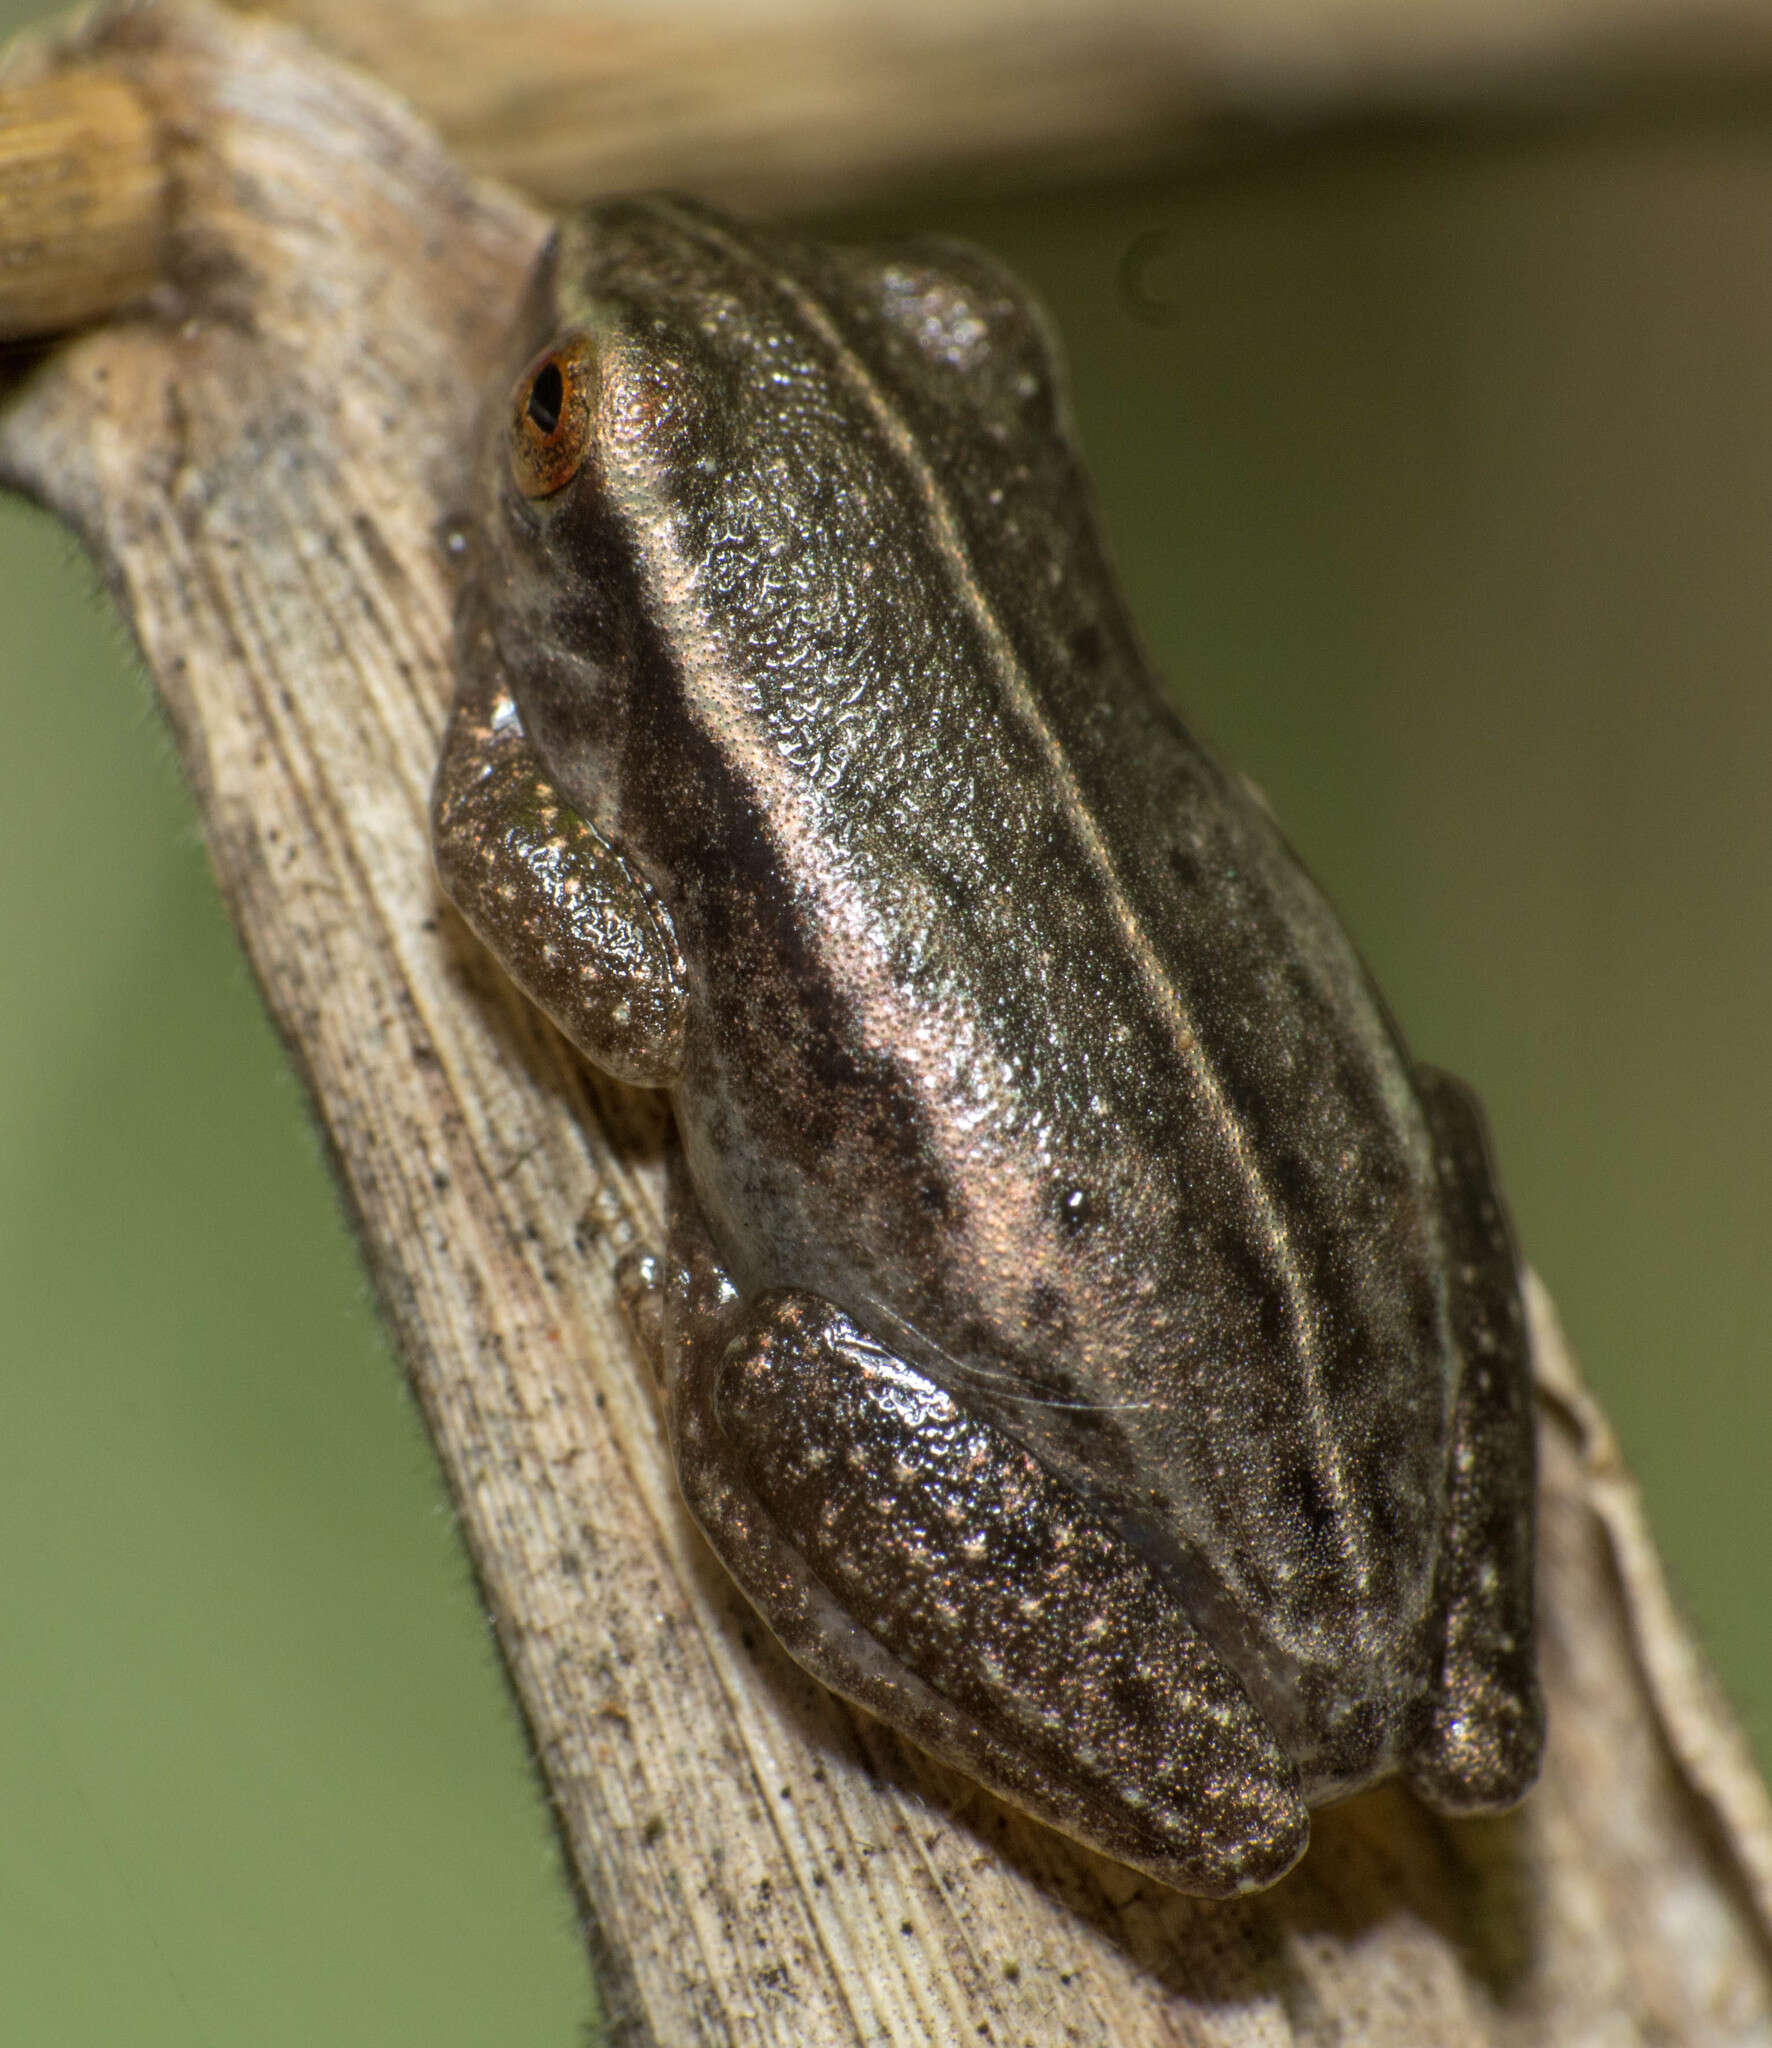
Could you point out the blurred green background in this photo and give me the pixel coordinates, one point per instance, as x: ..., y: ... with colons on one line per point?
x: 1440, y: 471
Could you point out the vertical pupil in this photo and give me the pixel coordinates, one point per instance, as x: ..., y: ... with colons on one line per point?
x: 546, y: 396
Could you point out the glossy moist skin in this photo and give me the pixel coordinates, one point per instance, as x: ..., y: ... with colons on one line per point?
x: 1087, y: 1335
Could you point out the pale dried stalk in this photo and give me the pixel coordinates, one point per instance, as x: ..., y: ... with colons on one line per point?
x: 773, y: 104
x: 260, y: 461
x: 782, y: 103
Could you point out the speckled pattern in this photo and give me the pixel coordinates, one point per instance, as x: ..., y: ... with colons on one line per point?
x: 1088, y: 1245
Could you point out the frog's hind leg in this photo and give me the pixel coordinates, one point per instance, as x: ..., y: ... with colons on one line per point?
x: 1485, y: 1729
x: 922, y: 1564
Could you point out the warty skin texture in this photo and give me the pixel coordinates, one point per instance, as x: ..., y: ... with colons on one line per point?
x: 1046, y: 1143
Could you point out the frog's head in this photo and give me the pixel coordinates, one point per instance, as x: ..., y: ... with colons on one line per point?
x: 735, y: 482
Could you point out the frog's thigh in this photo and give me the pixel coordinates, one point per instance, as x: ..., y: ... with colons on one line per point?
x: 563, y: 912
x: 1486, y: 1730
x: 918, y: 1561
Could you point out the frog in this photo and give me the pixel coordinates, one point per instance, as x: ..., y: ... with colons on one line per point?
x: 1090, y: 1340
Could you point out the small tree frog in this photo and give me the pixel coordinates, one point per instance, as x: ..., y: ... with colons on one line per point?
x: 1086, y: 1334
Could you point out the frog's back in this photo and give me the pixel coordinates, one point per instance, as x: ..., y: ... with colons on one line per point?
x: 1023, y: 1036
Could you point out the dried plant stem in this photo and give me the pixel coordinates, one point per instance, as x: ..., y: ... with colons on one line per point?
x: 83, y: 201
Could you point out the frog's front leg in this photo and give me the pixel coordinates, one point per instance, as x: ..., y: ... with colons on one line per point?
x: 565, y: 915
x: 920, y: 1562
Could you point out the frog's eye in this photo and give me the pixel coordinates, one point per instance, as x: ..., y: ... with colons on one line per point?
x: 552, y: 418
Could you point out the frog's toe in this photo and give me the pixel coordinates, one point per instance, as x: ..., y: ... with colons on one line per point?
x: 1484, y: 1743
x: 1242, y: 1843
